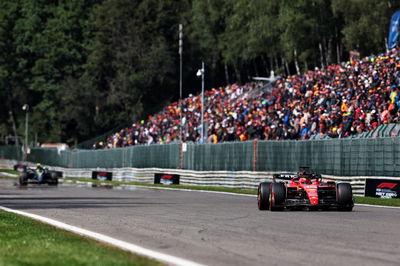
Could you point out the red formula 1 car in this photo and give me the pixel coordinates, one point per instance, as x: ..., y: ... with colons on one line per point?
x: 304, y: 190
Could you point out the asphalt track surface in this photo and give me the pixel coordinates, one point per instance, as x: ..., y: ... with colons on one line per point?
x: 217, y: 229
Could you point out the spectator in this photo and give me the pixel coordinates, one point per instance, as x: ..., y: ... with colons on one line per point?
x: 339, y: 101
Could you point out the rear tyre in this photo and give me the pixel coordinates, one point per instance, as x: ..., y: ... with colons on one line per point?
x: 53, y: 178
x: 344, y: 197
x: 277, y: 197
x: 263, y: 196
x: 59, y: 173
x: 23, y: 179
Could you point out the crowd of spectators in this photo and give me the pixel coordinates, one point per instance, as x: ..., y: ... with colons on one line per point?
x: 338, y: 101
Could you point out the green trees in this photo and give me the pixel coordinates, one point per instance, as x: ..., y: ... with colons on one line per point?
x: 87, y: 66
x: 366, y: 23
x: 44, y: 51
x: 60, y: 54
x: 130, y: 59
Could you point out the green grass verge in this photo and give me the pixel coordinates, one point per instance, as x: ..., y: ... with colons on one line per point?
x: 378, y: 201
x: 9, y: 171
x: 358, y: 199
x: 27, y: 242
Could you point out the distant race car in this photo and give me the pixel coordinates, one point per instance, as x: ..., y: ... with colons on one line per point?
x: 304, y: 190
x: 38, y: 175
x: 19, y: 167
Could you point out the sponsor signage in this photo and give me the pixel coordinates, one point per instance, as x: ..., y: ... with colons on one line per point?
x: 166, y: 179
x: 99, y: 175
x: 382, y: 188
x: 20, y: 167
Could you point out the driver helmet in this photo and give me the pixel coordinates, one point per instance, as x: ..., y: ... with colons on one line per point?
x: 304, y: 179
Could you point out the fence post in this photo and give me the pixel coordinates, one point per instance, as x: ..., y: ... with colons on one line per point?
x: 180, y: 154
x: 255, y: 155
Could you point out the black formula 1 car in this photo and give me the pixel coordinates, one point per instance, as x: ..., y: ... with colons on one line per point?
x: 304, y: 190
x: 38, y: 175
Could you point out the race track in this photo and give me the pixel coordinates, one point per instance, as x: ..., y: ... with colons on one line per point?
x: 217, y: 229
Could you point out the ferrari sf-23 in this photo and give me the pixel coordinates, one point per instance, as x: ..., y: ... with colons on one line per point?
x: 304, y: 190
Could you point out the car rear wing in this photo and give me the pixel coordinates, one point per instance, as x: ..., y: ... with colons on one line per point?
x: 290, y: 176
x: 284, y: 176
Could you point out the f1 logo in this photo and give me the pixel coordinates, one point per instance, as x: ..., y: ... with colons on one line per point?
x: 387, y: 185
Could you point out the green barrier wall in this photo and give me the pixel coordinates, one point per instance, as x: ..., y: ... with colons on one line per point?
x: 237, y: 156
x: 162, y: 156
x: 342, y: 157
x: 11, y: 152
x: 346, y: 157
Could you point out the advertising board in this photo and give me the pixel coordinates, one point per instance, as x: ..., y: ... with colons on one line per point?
x: 166, y: 179
x: 100, y: 175
x: 382, y: 188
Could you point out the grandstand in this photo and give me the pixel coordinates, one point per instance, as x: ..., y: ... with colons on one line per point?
x: 345, y: 100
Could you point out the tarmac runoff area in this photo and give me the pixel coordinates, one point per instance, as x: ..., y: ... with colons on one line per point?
x: 191, y: 228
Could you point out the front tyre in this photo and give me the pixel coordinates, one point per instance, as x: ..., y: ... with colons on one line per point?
x: 344, y: 197
x: 53, y: 178
x: 23, y: 179
x: 263, y: 196
x: 277, y: 197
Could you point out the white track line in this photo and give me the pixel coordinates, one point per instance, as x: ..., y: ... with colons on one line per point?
x: 377, y: 206
x: 171, y: 260
x: 8, y: 174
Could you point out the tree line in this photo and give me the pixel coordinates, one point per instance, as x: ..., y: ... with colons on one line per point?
x: 87, y: 66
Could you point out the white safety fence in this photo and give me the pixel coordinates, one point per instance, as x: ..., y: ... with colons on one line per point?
x: 240, y: 179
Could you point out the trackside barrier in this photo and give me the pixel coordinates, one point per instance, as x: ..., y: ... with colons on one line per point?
x: 232, y: 179
x: 338, y: 157
x: 235, y: 164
